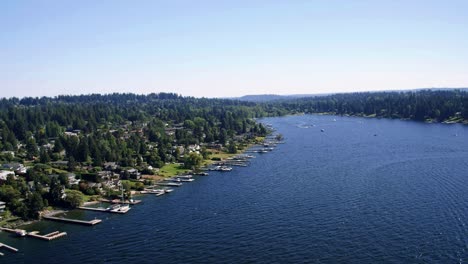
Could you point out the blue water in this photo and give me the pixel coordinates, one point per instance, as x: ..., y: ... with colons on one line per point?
x: 362, y: 191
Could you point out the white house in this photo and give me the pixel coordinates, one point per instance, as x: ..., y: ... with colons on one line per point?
x: 4, y: 174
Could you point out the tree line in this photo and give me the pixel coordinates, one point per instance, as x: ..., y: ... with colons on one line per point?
x: 425, y: 105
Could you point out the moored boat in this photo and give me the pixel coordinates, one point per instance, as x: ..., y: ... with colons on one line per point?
x: 20, y: 232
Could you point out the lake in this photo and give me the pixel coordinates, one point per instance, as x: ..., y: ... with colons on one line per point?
x: 360, y: 191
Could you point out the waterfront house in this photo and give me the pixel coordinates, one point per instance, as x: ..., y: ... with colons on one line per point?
x: 2, y: 206
x: 4, y: 174
x: 131, y: 173
x: 111, y: 166
x: 18, y: 168
x: 72, y: 180
x: 113, y: 184
x: 70, y: 134
x: 194, y: 148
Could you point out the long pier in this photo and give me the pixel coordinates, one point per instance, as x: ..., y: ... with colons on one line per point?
x: 170, y: 184
x: 117, y: 201
x: 73, y: 221
x: 7, y: 247
x: 100, y: 209
x: 14, y: 231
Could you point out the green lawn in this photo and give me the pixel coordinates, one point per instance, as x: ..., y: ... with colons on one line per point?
x: 170, y: 170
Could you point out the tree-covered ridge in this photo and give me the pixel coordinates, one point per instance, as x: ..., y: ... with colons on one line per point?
x: 437, y: 106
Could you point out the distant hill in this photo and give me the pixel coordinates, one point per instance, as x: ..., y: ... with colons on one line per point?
x: 273, y: 97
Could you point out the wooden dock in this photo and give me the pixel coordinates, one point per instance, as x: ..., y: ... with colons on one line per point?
x: 14, y: 231
x: 48, y: 237
x: 101, y: 209
x: 73, y: 221
x: 117, y: 201
x: 35, y: 234
x: 169, y: 184
x: 8, y: 247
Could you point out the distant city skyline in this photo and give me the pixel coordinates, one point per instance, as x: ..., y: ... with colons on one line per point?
x: 230, y: 48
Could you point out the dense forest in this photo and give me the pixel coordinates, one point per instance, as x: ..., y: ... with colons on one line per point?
x: 426, y: 105
x: 84, y: 134
x: 53, y: 150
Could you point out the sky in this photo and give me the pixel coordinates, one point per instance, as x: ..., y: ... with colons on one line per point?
x: 230, y: 48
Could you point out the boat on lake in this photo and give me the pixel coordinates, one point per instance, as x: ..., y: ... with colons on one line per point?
x: 226, y: 168
x: 185, y: 179
x: 159, y: 192
x: 184, y: 176
x: 152, y: 191
x: 119, y: 208
x: 221, y: 168
x: 20, y: 232
x: 201, y: 174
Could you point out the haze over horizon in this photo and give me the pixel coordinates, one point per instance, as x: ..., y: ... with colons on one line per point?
x: 230, y: 49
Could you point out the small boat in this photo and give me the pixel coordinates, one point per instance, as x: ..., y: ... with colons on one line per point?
x: 20, y: 232
x: 119, y: 208
x: 151, y: 191
x: 322, y: 130
x: 185, y: 176
x: 225, y: 168
x: 186, y: 180
x: 173, y: 180
x: 159, y: 192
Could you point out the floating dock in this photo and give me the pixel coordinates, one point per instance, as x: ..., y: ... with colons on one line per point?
x: 73, y: 221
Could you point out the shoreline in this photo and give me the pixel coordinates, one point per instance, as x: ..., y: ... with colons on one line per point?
x: 449, y: 121
x: 206, y: 163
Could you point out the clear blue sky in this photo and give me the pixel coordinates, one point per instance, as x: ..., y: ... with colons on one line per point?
x: 230, y: 48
